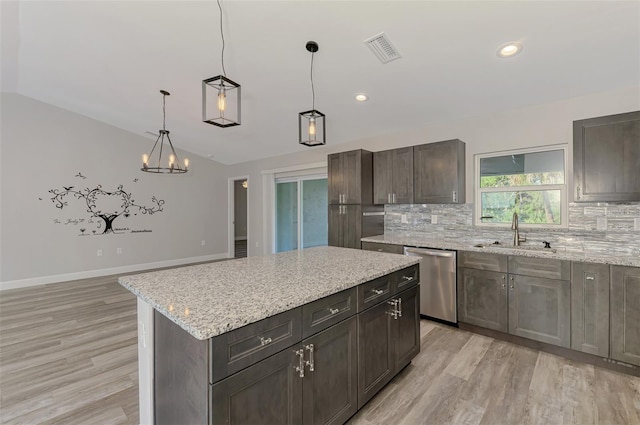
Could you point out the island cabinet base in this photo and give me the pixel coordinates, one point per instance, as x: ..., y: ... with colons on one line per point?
x: 303, y: 366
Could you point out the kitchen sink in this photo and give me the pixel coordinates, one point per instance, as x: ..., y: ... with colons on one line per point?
x: 517, y: 248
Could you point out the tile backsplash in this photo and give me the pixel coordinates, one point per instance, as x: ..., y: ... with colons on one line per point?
x: 593, y: 227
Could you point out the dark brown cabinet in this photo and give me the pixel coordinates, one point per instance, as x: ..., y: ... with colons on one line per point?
x: 625, y: 314
x: 482, y: 298
x: 606, y: 158
x: 350, y: 177
x: 388, y: 338
x: 269, y: 392
x: 301, y: 366
x: 383, y: 247
x: 393, y: 176
x: 439, y: 173
x: 345, y: 226
x: 590, y: 308
x: 524, y: 296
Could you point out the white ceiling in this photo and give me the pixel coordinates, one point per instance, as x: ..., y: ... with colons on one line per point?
x: 109, y: 59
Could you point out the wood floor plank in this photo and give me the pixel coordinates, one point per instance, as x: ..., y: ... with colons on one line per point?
x: 465, y: 362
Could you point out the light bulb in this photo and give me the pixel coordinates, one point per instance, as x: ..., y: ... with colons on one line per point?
x: 186, y: 163
x: 222, y: 100
x: 172, y: 159
x: 312, y: 127
x: 145, y: 159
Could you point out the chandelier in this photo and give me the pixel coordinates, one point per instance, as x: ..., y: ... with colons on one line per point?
x: 153, y: 162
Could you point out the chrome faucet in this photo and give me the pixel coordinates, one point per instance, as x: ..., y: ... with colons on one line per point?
x: 516, y: 233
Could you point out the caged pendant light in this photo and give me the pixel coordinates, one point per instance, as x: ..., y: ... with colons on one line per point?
x: 172, y: 164
x: 311, y: 124
x: 220, y: 95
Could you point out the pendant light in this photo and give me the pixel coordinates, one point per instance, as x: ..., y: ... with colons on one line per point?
x: 311, y: 125
x: 220, y: 95
x: 153, y: 162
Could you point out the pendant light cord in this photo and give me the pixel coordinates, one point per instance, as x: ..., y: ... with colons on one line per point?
x: 224, y: 72
x: 164, y: 114
x: 313, y: 91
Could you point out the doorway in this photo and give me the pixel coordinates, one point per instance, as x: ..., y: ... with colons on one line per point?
x: 238, y: 217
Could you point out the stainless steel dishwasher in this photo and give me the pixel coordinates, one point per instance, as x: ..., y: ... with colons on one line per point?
x: 437, y: 283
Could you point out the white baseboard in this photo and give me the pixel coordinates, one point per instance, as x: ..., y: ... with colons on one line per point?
x: 43, y: 280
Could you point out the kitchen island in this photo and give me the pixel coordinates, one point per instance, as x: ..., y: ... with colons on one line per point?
x: 301, y: 336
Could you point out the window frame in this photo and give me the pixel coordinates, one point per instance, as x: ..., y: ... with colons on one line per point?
x: 564, y: 202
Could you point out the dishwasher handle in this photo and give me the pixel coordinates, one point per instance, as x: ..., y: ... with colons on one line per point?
x: 432, y: 252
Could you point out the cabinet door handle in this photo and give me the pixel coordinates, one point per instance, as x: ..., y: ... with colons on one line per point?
x: 504, y: 284
x: 454, y: 196
x: 578, y: 192
x: 265, y: 341
x: 377, y: 291
x: 399, y: 307
x: 590, y: 278
x: 394, y: 198
x: 310, y: 362
x: 394, y: 312
x: 408, y: 278
x: 334, y: 310
x: 300, y: 367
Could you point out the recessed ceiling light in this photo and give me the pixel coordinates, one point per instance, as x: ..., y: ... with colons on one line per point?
x: 361, y: 97
x: 509, y: 49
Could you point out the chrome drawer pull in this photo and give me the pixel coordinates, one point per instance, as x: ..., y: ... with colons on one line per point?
x: 377, y: 291
x: 334, y: 310
x: 399, y: 307
x: 265, y: 341
x: 300, y: 367
x: 407, y: 278
x: 590, y: 278
x: 310, y: 362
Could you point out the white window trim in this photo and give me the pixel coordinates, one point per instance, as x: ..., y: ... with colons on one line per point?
x: 564, y: 201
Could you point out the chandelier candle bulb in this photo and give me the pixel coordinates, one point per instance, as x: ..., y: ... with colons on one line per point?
x: 186, y: 163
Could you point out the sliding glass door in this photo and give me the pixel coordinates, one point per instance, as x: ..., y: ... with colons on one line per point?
x: 301, y: 212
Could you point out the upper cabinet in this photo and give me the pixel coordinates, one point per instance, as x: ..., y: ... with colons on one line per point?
x: 606, y: 158
x: 393, y: 176
x: 439, y: 173
x: 350, y: 177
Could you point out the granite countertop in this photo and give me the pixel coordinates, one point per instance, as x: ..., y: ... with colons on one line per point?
x: 467, y: 244
x: 210, y: 299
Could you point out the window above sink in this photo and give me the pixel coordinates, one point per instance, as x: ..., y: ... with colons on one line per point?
x: 530, y: 182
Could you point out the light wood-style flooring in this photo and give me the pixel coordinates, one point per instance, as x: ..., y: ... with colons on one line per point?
x: 68, y: 356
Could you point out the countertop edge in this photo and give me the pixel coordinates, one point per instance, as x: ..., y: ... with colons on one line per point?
x: 468, y: 246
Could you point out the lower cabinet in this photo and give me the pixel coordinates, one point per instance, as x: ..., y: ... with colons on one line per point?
x: 388, y: 338
x: 590, y: 308
x: 540, y: 308
x: 533, y: 307
x: 314, y: 382
x: 625, y: 314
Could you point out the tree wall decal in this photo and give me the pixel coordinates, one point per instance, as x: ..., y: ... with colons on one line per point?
x: 107, y: 206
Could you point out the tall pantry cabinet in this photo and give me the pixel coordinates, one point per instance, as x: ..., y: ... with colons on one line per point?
x: 350, y: 181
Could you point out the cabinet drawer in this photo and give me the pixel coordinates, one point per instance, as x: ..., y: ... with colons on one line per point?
x: 540, y: 267
x: 406, y: 278
x: 328, y: 311
x: 382, y: 247
x: 482, y: 261
x: 374, y: 291
x: 240, y: 348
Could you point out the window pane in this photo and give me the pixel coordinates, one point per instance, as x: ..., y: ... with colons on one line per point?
x: 533, y: 207
x: 314, y: 213
x: 286, y: 216
x: 528, y: 169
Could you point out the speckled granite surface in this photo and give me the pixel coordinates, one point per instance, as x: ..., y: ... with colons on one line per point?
x: 210, y: 299
x: 526, y: 250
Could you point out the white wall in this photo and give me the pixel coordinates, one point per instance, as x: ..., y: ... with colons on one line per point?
x: 538, y: 125
x: 44, y: 147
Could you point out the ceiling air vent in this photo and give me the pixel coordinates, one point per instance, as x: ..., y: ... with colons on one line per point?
x: 382, y: 47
